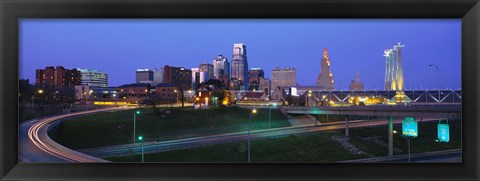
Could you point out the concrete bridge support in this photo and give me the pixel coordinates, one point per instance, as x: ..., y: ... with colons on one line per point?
x: 390, y: 135
x: 316, y: 119
x: 347, y: 126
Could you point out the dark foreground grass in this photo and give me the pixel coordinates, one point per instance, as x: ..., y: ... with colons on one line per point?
x: 293, y: 148
x: 312, y: 147
x: 113, y: 128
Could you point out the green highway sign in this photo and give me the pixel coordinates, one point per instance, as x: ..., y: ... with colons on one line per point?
x: 443, y: 132
x: 409, y: 127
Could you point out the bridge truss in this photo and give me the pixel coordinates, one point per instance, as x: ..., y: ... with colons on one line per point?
x: 417, y: 96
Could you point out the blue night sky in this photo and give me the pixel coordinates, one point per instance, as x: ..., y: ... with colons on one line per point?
x: 119, y: 47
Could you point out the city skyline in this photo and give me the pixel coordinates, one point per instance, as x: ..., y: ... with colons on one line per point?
x: 90, y: 48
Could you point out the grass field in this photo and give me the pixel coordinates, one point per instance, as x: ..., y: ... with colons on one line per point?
x: 312, y: 147
x: 293, y: 148
x: 105, y: 129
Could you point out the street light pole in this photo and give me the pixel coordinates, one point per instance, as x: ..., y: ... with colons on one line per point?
x: 134, y: 125
x: 269, y: 116
x: 408, y: 150
x: 40, y: 92
x: 270, y: 113
x: 249, y: 124
x: 85, y: 100
x: 141, y: 139
x: 438, y: 79
x: 176, y: 100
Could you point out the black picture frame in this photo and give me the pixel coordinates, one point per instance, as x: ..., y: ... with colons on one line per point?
x: 12, y: 10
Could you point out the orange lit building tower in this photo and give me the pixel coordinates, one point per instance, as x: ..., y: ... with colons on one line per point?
x: 325, y: 78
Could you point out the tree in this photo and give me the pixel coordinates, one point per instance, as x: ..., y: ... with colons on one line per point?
x: 219, y: 94
x: 25, y: 93
x: 152, y: 100
x: 182, y: 96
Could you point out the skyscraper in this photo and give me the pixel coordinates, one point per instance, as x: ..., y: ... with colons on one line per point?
x: 325, y: 78
x: 393, y: 68
x: 239, y: 67
x: 221, y: 67
x: 93, y: 78
x: 284, y: 77
x: 394, y: 73
x: 206, y: 72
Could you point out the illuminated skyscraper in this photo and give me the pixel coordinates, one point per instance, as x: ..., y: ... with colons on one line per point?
x: 239, y: 67
x: 325, y: 78
x: 394, y: 73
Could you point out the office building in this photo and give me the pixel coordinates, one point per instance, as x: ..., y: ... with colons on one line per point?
x: 221, y: 67
x: 254, y: 76
x: 206, y: 72
x: 167, y: 93
x: 179, y: 76
x: 265, y: 85
x: 58, y: 77
x: 157, y: 76
x: 239, y: 67
x: 137, y: 90
x: 325, y: 78
x: 356, y: 85
x: 286, y: 77
x: 195, y: 78
x: 93, y: 77
x: 144, y: 76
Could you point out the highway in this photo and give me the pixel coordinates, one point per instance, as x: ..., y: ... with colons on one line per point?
x: 36, y: 146
x: 153, y: 147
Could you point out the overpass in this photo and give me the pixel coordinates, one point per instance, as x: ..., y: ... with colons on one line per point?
x: 449, y: 111
x: 442, y: 111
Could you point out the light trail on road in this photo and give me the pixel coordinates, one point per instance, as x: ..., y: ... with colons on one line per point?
x: 38, y: 136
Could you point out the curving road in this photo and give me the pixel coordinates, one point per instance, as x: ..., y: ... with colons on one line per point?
x: 36, y: 146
